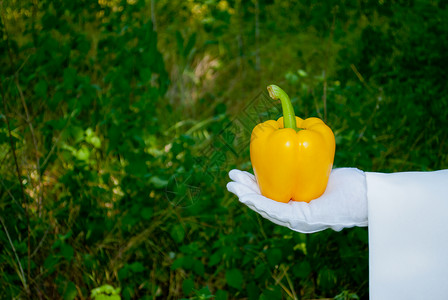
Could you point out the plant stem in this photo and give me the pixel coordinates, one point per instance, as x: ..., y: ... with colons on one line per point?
x: 289, y: 117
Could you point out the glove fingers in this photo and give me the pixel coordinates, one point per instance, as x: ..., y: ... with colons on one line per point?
x: 293, y: 215
x: 297, y: 216
x: 245, y: 178
x: 240, y: 189
x: 264, y: 207
x: 276, y: 210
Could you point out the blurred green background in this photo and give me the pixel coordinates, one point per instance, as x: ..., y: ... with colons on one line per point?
x: 120, y: 120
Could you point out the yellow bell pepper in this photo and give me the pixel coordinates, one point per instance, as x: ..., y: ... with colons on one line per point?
x: 292, y: 158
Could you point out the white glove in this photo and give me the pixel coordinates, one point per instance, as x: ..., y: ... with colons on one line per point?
x: 343, y: 205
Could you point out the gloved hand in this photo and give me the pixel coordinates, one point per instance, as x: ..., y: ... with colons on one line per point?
x: 343, y: 204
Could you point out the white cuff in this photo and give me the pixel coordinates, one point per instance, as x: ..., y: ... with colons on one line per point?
x: 408, y: 235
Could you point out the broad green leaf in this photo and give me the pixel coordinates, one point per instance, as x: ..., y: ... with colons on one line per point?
x: 221, y: 295
x: 188, y: 262
x: 123, y: 273
x: 77, y: 133
x: 136, y: 267
x: 178, y: 263
x: 260, y: 269
x: 302, y: 270
x: 215, y: 258
x: 105, y: 292
x: 95, y: 141
x: 83, y: 153
x: 272, y: 293
x: 146, y: 213
x: 128, y: 293
x: 50, y: 262
x: 187, y: 286
x: 252, y: 290
x: 198, y: 267
x: 69, y: 78
x: 234, y: 278
x: 41, y: 89
x: 204, y: 293
x: 67, y: 251
x: 70, y: 291
x: 274, y: 256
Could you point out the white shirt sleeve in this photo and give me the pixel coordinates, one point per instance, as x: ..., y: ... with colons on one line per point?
x: 408, y: 235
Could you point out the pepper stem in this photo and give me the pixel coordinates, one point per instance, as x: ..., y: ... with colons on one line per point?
x: 289, y: 117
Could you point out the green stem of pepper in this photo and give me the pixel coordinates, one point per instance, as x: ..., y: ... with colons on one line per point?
x: 289, y: 117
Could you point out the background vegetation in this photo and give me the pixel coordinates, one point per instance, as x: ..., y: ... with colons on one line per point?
x: 121, y: 119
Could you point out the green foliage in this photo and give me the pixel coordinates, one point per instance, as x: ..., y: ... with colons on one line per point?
x: 120, y: 120
x: 105, y: 292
